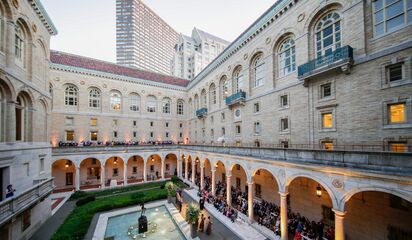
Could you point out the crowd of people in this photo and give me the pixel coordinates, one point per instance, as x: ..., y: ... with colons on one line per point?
x: 112, y: 143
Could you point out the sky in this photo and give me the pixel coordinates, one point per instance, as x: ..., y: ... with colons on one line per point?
x: 88, y: 27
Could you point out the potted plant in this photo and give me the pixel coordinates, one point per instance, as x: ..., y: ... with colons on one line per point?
x: 170, y: 187
x: 192, y: 214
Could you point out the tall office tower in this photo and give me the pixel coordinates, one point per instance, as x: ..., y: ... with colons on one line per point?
x: 143, y: 39
x: 194, y: 53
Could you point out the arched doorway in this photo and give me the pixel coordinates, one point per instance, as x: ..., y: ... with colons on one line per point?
x: 266, y: 194
x: 310, y: 205
x: 64, y: 173
x: 170, y: 167
x: 377, y: 215
x: 23, y: 117
x: 154, y: 167
x: 207, y: 175
x: 239, y: 187
x: 197, y: 171
x: 135, y: 170
x: 90, y: 173
x: 114, y: 171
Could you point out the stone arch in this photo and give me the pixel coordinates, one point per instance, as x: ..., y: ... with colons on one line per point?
x: 24, y: 116
x: 207, y: 165
x: 276, y: 178
x: 244, y: 167
x: 25, y: 27
x: 90, y: 173
x: 323, y: 184
x: 240, y: 176
x: 154, y: 167
x: 171, y: 165
x: 135, y: 169
x: 114, y: 170
x: 349, y: 194
x: 223, y: 88
x: 6, y: 10
x: 263, y: 176
x: 64, y: 173
x: 221, y: 170
x: 238, y: 79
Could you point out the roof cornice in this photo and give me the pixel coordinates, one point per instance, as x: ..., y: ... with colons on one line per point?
x: 250, y: 33
x: 44, y: 17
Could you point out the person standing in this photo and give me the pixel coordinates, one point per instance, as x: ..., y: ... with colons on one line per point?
x: 202, y: 223
x: 202, y: 203
x: 10, y: 191
x: 209, y: 226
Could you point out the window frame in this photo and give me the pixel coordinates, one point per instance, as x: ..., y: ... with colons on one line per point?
x: 71, y: 95
x: 321, y: 50
x: 94, y: 98
x: 287, y: 46
x: 385, y: 20
x: 259, y: 69
x: 115, y: 99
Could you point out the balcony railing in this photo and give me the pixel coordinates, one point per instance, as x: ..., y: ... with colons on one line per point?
x: 17, y: 204
x: 238, y: 97
x: 201, y: 112
x: 337, y: 58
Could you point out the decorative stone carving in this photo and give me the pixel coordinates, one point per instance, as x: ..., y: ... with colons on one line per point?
x: 15, y: 3
x: 104, y: 86
x: 34, y: 27
x: 245, y: 56
x: 268, y: 40
x: 301, y: 17
x: 82, y: 82
x: 228, y: 68
x: 337, y: 183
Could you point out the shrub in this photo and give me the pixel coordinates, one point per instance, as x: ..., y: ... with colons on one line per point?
x: 85, y: 200
x: 192, y: 212
x: 137, y: 195
x: 78, y: 195
x: 175, y: 179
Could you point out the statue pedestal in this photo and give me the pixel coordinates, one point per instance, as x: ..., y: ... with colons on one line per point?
x: 142, y: 224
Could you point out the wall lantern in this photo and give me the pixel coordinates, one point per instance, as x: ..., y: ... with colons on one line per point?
x: 67, y: 164
x: 318, y: 191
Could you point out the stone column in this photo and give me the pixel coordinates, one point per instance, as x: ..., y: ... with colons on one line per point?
x: 228, y: 190
x: 213, y: 182
x: 10, y: 121
x: 9, y: 47
x: 162, y: 169
x: 250, y: 200
x: 102, y: 177
x: 202, y: 174
x: 77, y: 178
x: 144, y: 172
x: 186, y: 171
x: 339, y: 225
x: 193, y: 172
x: 179, y: 167
x: 283, y: 215
x: 125, y: 174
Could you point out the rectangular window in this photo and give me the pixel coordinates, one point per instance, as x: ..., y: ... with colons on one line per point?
x: 390, y: 15
x: 152, y: 168
x: 69, y: 135
x: 134, y: 123
x: 327, y: 120
x: 223, y: 131
x: 222, y: 115
x: 326, y: 90
x: 397, y: 113
x: 93, y: 136
x: 93, y: 121
x: 115, y: 172
x: 397, y: 146
x: 284, y: 124
x: 284, y: 101
x: 284, y: 144
x: 258, y: 190
x: 167, y: 124
x: 181, y: 135
x: 238, y: 129
x: 238, y: 143
x: 115, y: 134
x: 69, y: 121
x: 181, y: 125
x: 256, y: 108
x: 151, y: 124
x: 114, y: 123
x: 328, y: 145
x: 395, y: 72
x: 134, y: 171
x: 238, y: 183
x: 134, y: 134
x: 151, y: 134
x: 27, y: 168
x: 167, y: 135
x: 41, y: 165
x: 257, y: 127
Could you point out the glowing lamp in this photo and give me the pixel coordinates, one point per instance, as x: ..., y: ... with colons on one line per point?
x: 67, y: 164
x: 318, y: 191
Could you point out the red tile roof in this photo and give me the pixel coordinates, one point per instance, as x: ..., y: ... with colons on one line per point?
x: 72, y: 60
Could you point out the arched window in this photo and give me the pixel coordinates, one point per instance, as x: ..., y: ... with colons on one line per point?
x: 258, y: 68
x: 166, y: 105
x: 287, y: 57
x: 151, y: 104
x: 134, y: 101
x: 212, y: 94
x: 115, y: 101
x: 238, y: 79
x: 180, y: 107
x: 203, y: 99
x: 94, y: 98
x: 70, y: 95
x: 19, y: 43
x: 328, y: 34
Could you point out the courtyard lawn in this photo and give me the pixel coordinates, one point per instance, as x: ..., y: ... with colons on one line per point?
x: 77, y: 223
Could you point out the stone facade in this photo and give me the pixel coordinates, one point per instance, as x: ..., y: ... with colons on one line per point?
x: 25, y: 107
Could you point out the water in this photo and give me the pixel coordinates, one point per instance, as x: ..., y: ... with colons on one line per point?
x: 160, y: 221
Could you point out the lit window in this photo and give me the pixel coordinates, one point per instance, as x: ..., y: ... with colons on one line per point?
x: 327, y: 120
x: 93, y: 121
x: 284, y: 101
x: 390, y: 15
x: 94, y: 98
x: 397, y: 113
x: 259, y: 71
x: 326, y: 90
x: 328, y: 145
x: 115, y: 101
x: 287, y: 57
x: 328, y: 34
x: 398, y: 146
x: 70, y: 95
x: 93, y: 136
x: 394, y: 72
x: 69, y: 135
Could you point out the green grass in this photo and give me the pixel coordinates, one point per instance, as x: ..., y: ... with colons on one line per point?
x: 77, y: 223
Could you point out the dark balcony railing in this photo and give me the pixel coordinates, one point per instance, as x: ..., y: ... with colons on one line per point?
x: 239, y: 96
x: 340, y: 55
x: 201, y: 112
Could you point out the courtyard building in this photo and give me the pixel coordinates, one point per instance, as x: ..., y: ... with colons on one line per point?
x: 308, y: 111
